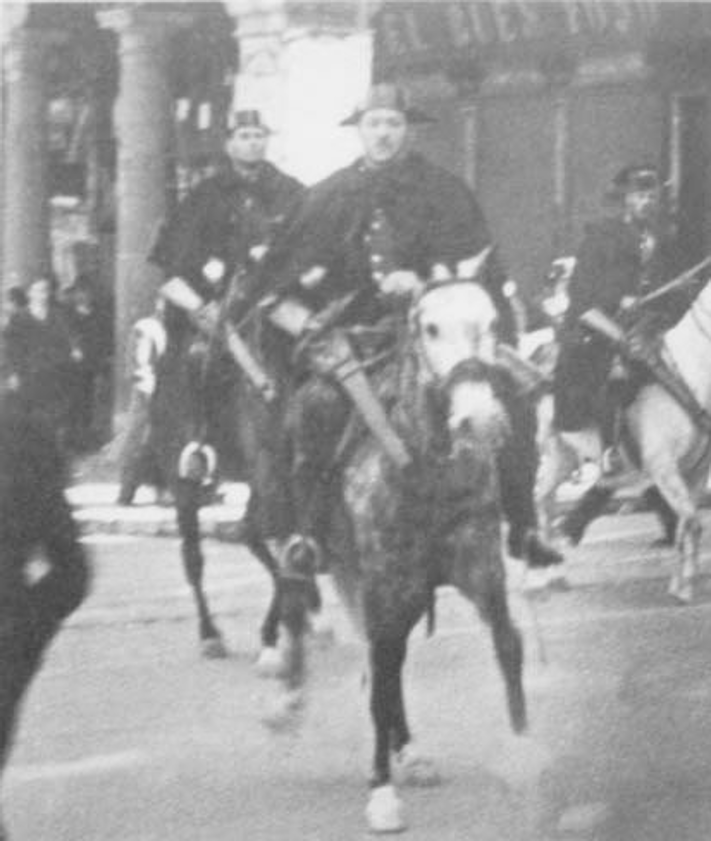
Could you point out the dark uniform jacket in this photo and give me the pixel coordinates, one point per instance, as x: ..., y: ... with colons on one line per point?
x: 224, y: 217
x: 610, y: 266
x: 361, y: 222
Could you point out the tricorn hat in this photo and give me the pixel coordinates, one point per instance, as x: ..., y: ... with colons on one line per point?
x: 248, y: 118
x: 391, y: 97
x: 639, y: 176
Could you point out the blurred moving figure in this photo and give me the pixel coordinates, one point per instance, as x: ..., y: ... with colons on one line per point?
x: 34, y: 517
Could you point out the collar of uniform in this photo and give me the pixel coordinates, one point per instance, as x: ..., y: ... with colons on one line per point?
x: 230, y: 177
x: 403, y: 171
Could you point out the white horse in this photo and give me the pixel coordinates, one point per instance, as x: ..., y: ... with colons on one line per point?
x: 673, y: 451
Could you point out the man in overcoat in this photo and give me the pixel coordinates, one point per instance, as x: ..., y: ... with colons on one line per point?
x: 208, y: 250
x: 34, y: 516
x: 621, y: 258
x: 378, y: 231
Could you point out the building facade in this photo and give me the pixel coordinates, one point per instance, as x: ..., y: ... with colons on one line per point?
x: 539, y: 104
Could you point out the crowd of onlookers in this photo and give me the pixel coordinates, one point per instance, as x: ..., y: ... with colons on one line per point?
x: 58, y: 347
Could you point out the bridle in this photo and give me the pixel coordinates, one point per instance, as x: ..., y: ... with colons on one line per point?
x: 473, y: 368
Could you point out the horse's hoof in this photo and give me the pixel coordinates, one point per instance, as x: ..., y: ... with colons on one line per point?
x: 521, y: 762
x: 385, y: 811
x: 213, y: 648
x: 540, y: 582
x: 414, y: 769
x: 535, y: 583
x: 270, y: 662
x: 284, y: 713
x: 322, y: 630
x: 558, y: 580
x: 681, y: 591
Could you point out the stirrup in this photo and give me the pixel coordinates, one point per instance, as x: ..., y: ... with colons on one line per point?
x: 198, y: 463
x: 301, y: 557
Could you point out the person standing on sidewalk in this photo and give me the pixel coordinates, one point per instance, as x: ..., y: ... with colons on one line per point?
x: 34, y: 516
x: 138, y: 463
x: 40, y: 357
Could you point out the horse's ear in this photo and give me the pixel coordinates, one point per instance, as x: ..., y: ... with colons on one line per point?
x: 470, y: 268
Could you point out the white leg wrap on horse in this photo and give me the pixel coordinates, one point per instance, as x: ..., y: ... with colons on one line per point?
x: 322, y: 629
x: 270, y: 662
x: 385, y: 811
x: 284, y: 712
x: 415, y: 769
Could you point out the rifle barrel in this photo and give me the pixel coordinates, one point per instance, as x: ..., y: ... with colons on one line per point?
x: 675, y: 283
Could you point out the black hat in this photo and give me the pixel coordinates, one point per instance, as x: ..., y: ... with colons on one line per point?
x: 634, y: 177
x: 249, y: 118
x: 390, y: 97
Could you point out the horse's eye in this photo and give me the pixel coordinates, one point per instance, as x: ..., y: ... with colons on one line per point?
x: 431, y: 331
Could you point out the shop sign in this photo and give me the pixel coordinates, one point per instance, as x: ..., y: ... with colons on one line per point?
x: 419, y: 33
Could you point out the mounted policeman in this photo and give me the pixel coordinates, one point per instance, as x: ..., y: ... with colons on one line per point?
x: 617, y: 310
x: 365, y: 240
x: 209, y: 251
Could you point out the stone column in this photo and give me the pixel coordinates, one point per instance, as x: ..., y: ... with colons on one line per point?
x: 26, y: 245
x: 142, y: 124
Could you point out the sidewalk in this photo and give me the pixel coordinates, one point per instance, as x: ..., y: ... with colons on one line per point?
x: 96, y: 510
x: 94, y: 492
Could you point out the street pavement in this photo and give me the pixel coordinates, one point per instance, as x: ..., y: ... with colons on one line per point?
x: 128, y: 735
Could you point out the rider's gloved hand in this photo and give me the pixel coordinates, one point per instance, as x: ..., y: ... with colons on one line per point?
x: 629, y: 303
x: 214, y: 270
x: 313, y: 277
x: 628, y: 311
x: 400, y: 282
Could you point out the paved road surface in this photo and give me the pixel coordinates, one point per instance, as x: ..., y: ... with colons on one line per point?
x: 129, y: 736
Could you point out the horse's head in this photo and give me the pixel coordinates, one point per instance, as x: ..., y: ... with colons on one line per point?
x: 454, y: 326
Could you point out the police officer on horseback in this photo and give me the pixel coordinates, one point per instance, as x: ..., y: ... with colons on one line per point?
x: 620, y: 260
x: 364, y: 241
x: 209, y: 251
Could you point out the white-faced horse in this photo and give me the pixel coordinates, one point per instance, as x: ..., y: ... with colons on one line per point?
x: 668, y: 445
x: 395, y: 534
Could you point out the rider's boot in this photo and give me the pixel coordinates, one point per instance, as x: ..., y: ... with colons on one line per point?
x: 518, y: 464
x: 319, y: 413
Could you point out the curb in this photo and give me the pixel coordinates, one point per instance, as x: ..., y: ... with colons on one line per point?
x: 96, y: 511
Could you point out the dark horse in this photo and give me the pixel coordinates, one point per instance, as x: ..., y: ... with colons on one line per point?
x: 395, y: 535
x: 242, y: 427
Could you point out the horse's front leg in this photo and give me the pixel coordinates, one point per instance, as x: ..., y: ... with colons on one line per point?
x: 187, y: 502
x: 478, y: 573
x: 384, y: 811
x: 676, y: 492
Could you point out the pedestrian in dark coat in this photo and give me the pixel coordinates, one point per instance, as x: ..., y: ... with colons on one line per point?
x: 91, y: 334
x: 34, y: 516
x: 40, y: 359
x: 382, y: 228
x: 215, y: 240
x: 620, y: 259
